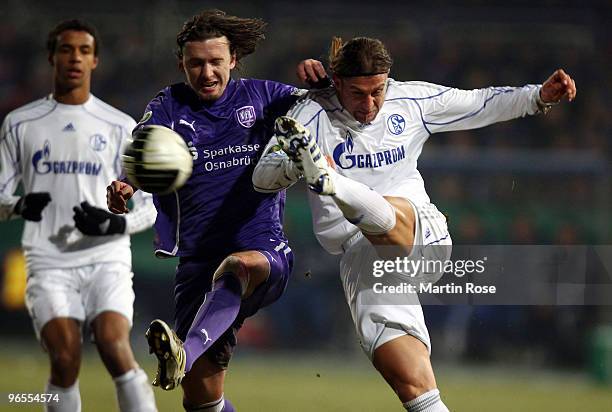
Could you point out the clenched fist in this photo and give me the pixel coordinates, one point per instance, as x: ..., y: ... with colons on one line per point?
x: 117, y: 195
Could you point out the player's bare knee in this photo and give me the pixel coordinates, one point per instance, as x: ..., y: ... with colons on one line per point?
x: 408, y: 389
x: 111, y: 346
x: 65, y: 365
x: 235, y: 266
x: 404, y: 216
x: 402, y: 232
x: 65, y: 360
x: 64, y: 354
x: 111, y: 332
x: 406, y: 381
x: 232, y: 263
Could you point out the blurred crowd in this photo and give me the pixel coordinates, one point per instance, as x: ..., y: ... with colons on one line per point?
x: 477, y: 45
x: 542, y: 180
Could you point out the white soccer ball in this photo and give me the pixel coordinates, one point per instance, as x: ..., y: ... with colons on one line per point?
x: 157, y: 160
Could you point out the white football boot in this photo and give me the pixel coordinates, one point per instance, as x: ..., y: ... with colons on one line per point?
x: 296, y: 141
x: 168, y: 348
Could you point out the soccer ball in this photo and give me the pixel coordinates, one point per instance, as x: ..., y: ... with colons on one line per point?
x: 157, y: 160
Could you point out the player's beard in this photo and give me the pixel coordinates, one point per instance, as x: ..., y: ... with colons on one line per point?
x: 213, y: 93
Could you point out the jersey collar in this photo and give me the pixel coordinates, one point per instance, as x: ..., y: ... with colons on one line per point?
x: 72, y: 107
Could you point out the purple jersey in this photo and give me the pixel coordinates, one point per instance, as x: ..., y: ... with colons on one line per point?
x: 217, y: 211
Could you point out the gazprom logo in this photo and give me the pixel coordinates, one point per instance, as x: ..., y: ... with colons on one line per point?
x: 349, y: 142
x: 346, y: 159
x: 396, y: 124
x: 42, y: 165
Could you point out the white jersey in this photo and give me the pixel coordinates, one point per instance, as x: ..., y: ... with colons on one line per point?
x: 383, y: 154
x: 72, y: 152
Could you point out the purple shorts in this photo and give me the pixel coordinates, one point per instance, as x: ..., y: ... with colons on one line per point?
x: 194, y: 279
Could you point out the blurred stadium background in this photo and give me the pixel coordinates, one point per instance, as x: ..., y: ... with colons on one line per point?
x: 541, y: 180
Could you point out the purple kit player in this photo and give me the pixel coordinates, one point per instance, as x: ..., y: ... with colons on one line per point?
x: 234, y: 256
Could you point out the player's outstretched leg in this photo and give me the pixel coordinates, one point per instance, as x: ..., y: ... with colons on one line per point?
x: 168, y: 348
x: 219, y: 310
x: 404, y: 363
x: 235, y: 279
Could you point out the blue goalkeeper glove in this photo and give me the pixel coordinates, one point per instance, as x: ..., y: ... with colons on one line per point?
x: 31, y: 205
x: 93, y: 221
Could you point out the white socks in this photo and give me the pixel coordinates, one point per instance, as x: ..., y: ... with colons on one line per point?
x: 362, y: 206
x: 427, y: 402
x: 134, y: 393
x: 214, y: 406
x: 69, y: 398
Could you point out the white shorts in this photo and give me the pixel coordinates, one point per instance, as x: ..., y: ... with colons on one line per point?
x: 381, y: 317
x: 81, y: 293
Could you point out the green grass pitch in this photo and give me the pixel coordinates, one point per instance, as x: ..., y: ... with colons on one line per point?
x: 295, y: 383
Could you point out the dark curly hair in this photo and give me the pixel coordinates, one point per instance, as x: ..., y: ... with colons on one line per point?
x: 243, y: 34
x: 74, y: 24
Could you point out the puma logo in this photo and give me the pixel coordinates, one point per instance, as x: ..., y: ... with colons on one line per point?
x: 186, y: 123
x: 205, y: 333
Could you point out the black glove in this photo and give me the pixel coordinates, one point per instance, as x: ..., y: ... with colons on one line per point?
x: 322, y: 83
x: 94, y: 221
x: 31, y: 205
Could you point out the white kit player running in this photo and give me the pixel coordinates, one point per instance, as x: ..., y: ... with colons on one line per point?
x: 357, y: 143
x: 64, y: 149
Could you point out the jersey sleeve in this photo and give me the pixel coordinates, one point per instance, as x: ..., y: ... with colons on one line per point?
x: 125, y: 138
x: 143, y: 214
x: 456, y: 109
x: 10, y: 170
x: 158, y: 111
x: 274, y: 170
x: 280, y: 98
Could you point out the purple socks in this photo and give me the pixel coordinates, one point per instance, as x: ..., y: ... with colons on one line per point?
x: 215, y: 316
x: 228, y: 407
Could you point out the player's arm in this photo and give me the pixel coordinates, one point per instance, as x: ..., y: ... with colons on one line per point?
x: 120, y: 191
x: 142, y: 215
x: 447, y: 109
x: 29, y: 206
x: 274, y: 170
x: 95, y: 221
x: 312, y: 73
